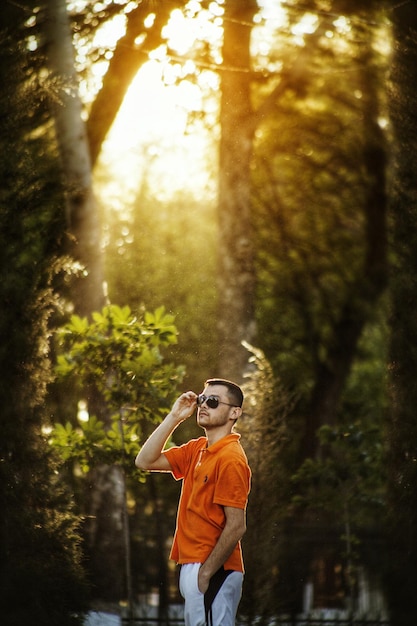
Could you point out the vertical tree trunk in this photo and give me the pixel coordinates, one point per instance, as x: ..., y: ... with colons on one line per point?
x: 236, y: 279
x: 333, y: 371
x: 41, y: 580
x: 402, y: 466
x: 81, y: 208
x: 104, y: 527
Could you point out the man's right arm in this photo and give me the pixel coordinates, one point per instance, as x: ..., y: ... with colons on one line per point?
x: 150, y: 456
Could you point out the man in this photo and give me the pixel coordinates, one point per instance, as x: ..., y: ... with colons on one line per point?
x: 211, y: 517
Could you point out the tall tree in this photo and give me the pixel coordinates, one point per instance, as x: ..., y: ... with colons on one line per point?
x: 320, y: 209
x: 371, y: 278
x: 40, y: 573
x: 323, y: 239
x: 236, y: 269
x: 105, y: 499
x: 402, y: 575
x: 81, y: 207
x: 236, y: 277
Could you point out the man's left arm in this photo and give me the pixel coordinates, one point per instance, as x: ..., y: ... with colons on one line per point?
x: 233, y: 531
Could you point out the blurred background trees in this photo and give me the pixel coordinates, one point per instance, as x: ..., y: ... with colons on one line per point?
x: 41, y: 561
x: 401, y: 425
x: 270, y: 203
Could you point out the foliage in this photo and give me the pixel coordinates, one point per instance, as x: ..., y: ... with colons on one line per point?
x: 347, y: 483
x: 348, y: 478
x: 401, y: 575
x: 42, y: 580
x: 309, y: 193
x: 168, y: 241
x: 317, y: 103
x: 264, y: 430
x: 310, y: 190
x: 349, y: 474
x: 121, y: 357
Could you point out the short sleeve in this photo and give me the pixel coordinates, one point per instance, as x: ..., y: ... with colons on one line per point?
x: 181, y: 457
x: 233, y: 483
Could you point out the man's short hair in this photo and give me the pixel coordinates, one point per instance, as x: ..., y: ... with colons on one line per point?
x: 234, y: 391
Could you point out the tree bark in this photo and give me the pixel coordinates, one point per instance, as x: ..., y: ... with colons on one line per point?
x: 361, y: 298
x: 126, y: 61
x: 103, y: 531
x: 402, y: 466
x: 236, y: 276
x: 81, y: 207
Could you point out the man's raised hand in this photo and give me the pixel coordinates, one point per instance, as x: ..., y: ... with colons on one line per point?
x: 184, y: 406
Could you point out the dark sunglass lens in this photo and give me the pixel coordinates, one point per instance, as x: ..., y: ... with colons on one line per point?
x: 212, y: 402
x: 200, y: 399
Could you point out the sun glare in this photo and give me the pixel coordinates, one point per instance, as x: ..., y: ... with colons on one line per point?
x: 153, y: 108
x: 149, y: 141
x: 106, y: 38
x: 150, y: 136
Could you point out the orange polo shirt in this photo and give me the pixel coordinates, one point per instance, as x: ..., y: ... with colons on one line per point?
x: 213, y: 477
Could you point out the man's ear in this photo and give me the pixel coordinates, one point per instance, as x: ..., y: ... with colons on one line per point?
x: 236, y: 412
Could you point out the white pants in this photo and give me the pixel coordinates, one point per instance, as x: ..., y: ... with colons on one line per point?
x: 224, y: 605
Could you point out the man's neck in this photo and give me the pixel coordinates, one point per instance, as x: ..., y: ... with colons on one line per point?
x: 214, y: 435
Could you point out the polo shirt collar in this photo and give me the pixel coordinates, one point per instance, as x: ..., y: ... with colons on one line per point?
x: 224, y: 441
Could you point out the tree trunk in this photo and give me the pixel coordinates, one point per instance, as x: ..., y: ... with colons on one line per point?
x: 236, y: 276
x: 126, y: 61
x: 81, y: 208
x: 40, y: 573
x: 104, y: 527
x: 402, y: 466
x: 361, y: 298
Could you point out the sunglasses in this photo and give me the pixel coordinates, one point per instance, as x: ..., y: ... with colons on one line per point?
x: 211, y: 401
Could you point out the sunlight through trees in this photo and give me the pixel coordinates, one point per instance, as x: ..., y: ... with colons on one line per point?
x: 247, y: 168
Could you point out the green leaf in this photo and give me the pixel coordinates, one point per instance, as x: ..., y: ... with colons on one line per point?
x: 118, y: 355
